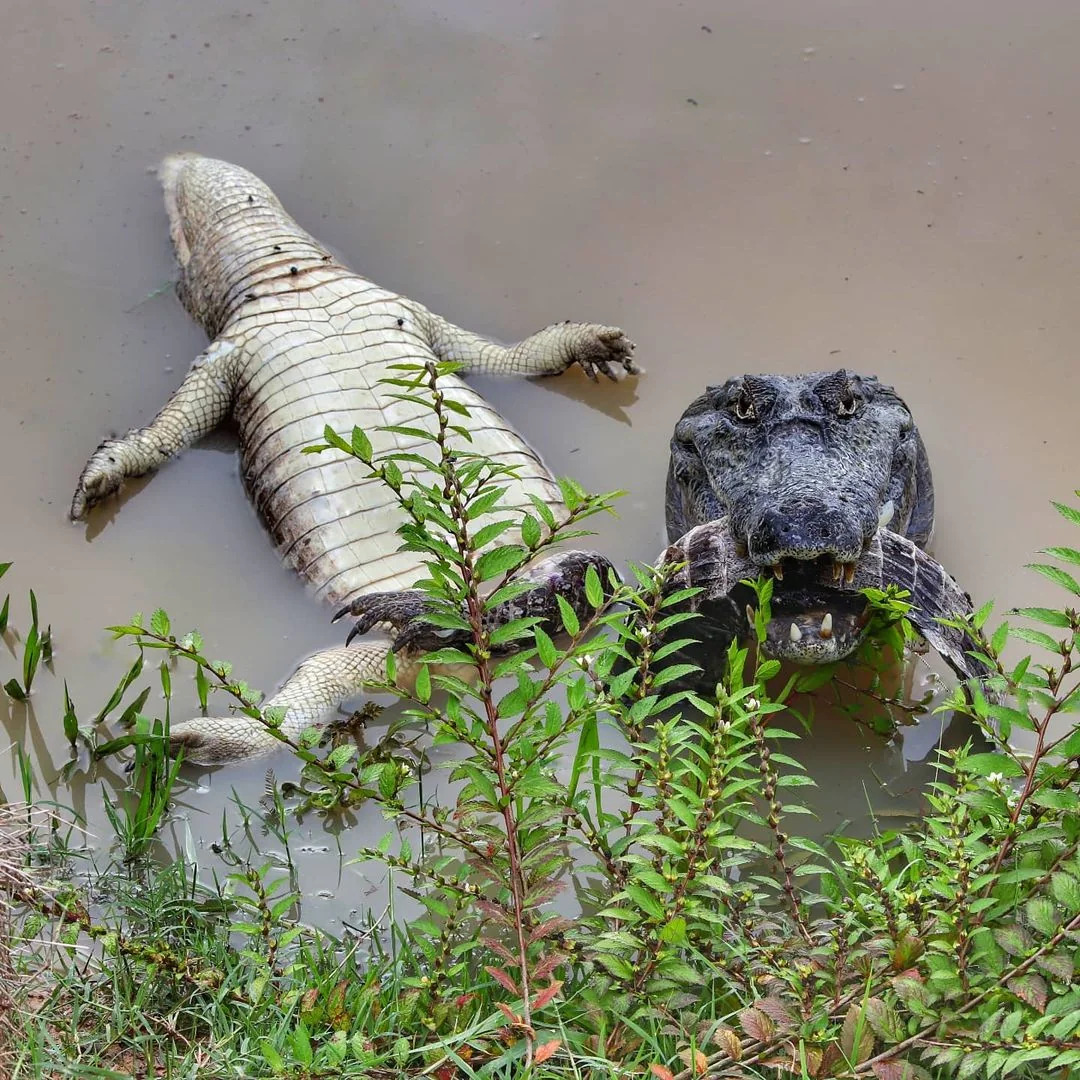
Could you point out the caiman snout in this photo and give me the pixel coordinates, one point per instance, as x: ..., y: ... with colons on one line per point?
x: 807, y: 530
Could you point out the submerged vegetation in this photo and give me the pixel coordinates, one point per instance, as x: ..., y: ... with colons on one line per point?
x: 619, y: 886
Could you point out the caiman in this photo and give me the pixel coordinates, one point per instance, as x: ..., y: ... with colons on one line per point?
x: 820, y: 481
x: 300, y: 341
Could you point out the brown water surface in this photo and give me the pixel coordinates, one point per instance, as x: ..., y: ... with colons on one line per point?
x: 749, y: 186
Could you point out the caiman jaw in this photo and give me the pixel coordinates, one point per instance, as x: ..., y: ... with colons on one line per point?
x: 818, y: 612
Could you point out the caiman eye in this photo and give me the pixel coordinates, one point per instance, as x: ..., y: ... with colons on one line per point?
x: 744, y: 407
x: 847, y: 405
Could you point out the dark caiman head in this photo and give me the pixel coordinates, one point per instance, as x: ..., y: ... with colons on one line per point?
x: 806, y: 469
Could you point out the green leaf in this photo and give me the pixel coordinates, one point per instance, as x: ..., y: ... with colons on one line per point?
x: 71, y: 723
x: 569, y: 617
x: 616, y: 965
x: 545, y: 647
x: 500, y: 561
x: 1057, y: 576
x: 4, y: 612
x: 1035, y: 637
x: 594, y: 592
x: 674, y: 932
x: 542, y: 508
x: 767, y: 669
x: 159, y: 623
x: 988, y: 764
x: 361, y: 445
x: 490, y: 532
x: 1066, y: 891
x: 1067, y: 512
x: 423, y: 684
x: 572, y: 492
x: 1044, y: 615
x: 1042, y: 915
x: 645, y: 901
x: 530, y: 530
x: 14, y: 690
x: 1066, y: 554
x: 5, y: 567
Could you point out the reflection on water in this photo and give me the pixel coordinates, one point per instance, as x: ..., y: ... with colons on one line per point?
x: 742, y: 187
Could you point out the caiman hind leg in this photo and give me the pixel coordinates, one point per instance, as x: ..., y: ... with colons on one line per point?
x: 310, y: 697
x: 196, y: 407
x: 550, y: 351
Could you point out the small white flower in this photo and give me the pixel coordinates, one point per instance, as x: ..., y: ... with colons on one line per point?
x: 752, y: 704
x: 995, y: 778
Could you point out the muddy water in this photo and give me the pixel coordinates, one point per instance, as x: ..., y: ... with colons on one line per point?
x: 743, y: 186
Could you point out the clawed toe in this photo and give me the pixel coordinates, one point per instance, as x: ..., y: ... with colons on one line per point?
x: 395, y: 610
x: 610, y: 352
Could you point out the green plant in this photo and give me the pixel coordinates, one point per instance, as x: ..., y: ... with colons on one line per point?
x: 707, y: 936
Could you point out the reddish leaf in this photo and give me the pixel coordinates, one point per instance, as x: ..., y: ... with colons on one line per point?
x: 695, y: 1061
x: 500, y: 950
x: 545, y: 1051
x: 546, y: 929
x: 756, y: 1024
x: 546, y: 995
x: 856, y: 1025
x: 1030, y: 988
x: 774, y: 1008
x: 308, y: 1002
x: 728, y: 1041
x: 504, y: 980
x: 493, y: 911
x: 884, y: 1021
x: 335, y: 1007
x: 899, y: 1070
x: 546, y: 966
x: 508, y: 1012
x: 661, y: 1073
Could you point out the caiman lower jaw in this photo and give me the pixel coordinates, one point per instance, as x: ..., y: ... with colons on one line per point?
x: 818, y: 613
x: 818, y: 635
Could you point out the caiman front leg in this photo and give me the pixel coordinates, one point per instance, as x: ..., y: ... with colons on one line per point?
x: 196, y: 407
x: 549, y: 352
x: 403, y: 612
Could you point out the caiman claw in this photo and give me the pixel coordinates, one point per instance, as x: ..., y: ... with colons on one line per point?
x: 605, y: 349
x: 101, y: 476
x: 395, y: 611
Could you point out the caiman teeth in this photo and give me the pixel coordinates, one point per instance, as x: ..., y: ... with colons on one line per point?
x: 826, y: 626
x: 750, y: 616
x: 778, y: 571
x: 886, y: 514
x: 795, y: 633
x: 837, y: 571
x: 849, y: 573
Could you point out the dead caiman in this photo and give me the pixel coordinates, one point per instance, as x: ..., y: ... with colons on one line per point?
x: 300, y: 341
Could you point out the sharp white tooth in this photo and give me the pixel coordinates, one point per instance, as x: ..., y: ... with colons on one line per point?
x: 826, y: 625
x: 795, y: 633
x: 849, y: 573
x: 886, y: 514
x: 778, y: 570
x: 750, y: 616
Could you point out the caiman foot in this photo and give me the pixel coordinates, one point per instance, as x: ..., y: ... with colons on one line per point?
x: 402, y: 613
x: 603, y: 349
x: 101, y: 476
